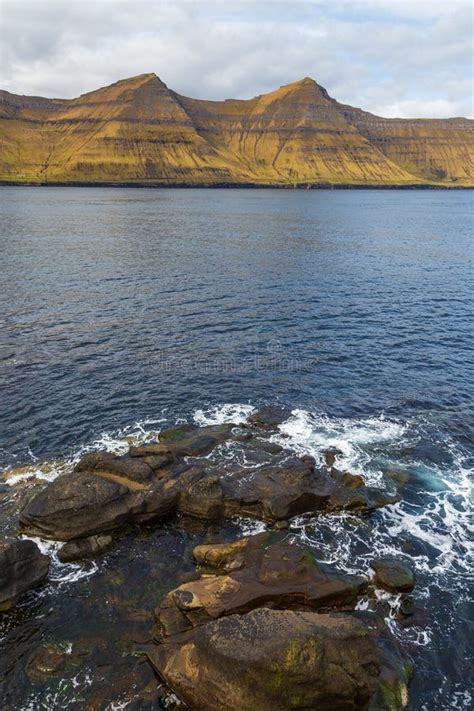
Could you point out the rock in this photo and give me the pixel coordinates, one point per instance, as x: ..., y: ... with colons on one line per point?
x: 276, y: 659
x: 46, y: 660
x: 84, y: 548
x: 406, y: 608
x: 281, y: 525
x: 193, y: 441
x: 149, y: 449
x: 292, y: 487
x: 270, y: 447
x: 83, y: 503
x: 106, y: 492
x: 94, y: 460
x: 22, y: 566
x: 126, y: 467
x: 353, y: 481
x: 228, y: 556
x: 269, y: 417
x: 393, y: 575
x: 331, y: 454
x: 399, y: 476
x: 259, y: 569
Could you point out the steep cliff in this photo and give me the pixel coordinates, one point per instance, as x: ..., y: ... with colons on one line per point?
x: 137, y: 131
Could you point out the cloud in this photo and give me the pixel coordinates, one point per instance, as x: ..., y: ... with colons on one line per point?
x: 387, y: 56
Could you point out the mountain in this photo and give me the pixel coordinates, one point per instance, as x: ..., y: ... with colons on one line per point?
x: 138, y: 131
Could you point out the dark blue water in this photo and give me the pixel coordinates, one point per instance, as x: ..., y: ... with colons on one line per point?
x: 116, y: 303
x: 124, y: 307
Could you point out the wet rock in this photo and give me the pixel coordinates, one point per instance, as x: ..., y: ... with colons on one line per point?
x: 281, y: 525
x: 393, y: 575
x: 84, y: 503
x: 275, y: 659
x: 353, y: 481
x: 94, y: 460
x: 269, y: 417
x: 151, y: 449
x: 406, y: 608
x: 106, y: 491
x: 330, y: 455
x: 22, y: 566
x: 257, y: 635
x: 398, y: 476
x: 46, y: 660
x: 269, y: 447
x: 193, y: 441
x: 84, y: 548
x: 259, y: 571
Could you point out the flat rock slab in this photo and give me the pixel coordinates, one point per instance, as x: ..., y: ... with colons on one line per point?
x: 22, y: 567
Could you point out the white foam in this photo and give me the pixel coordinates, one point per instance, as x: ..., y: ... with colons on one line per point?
x: 61, y: 574
x: 118, y: 443
x: 311, y: 433
x: 250, y: 527
x: 222, y: 414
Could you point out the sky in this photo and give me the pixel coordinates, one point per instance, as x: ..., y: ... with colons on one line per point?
x: 406, y: 58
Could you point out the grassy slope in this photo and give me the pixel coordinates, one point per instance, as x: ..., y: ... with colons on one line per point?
x: 137, y: 131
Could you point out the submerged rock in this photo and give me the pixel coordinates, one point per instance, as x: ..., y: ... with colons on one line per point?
x: 22, y: 566
x: 46, y: 660
x: 84, y: 548
x: 393, y: 575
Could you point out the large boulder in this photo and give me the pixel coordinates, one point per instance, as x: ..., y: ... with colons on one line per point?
x: 22, y: 566
x: 260, y: 570
x: 84, y: 503
x: 280, y: 660
x: 258, y: 630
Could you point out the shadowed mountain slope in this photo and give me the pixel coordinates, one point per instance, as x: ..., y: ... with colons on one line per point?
x: 137, y: 131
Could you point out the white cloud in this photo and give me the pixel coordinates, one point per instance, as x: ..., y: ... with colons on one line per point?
x: 385, y: 56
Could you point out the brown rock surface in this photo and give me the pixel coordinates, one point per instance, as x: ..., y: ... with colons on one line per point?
x: 22, y: 566
x: 177, y: 474
x: 260, y: 571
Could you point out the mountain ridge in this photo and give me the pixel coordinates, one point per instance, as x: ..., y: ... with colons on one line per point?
x: 137, y: 131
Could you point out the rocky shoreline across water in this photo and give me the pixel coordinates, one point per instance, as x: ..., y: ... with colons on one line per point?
x: 262, y: 623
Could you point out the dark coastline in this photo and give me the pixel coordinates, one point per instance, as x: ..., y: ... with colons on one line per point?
x: 233, y: 186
